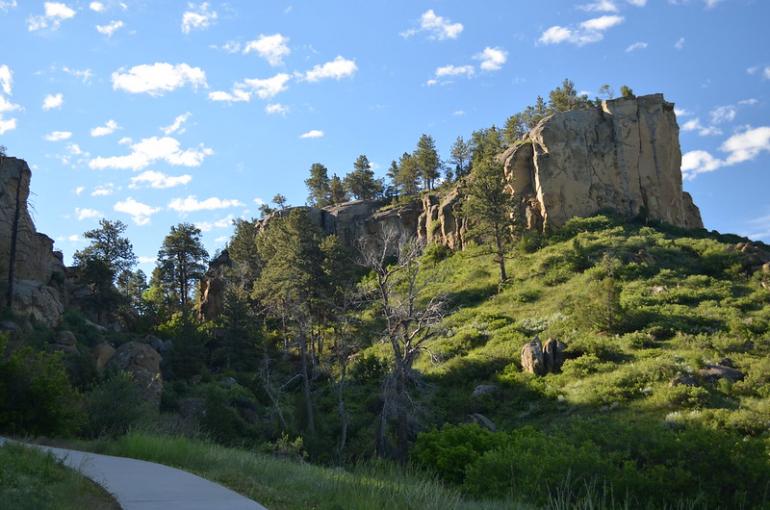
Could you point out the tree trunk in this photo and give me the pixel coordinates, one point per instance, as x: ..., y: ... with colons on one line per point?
x: 402, y: 423
x: 501, y: 258
x: 306, y: 384
x: 14, y: 238
x: 341, y: 411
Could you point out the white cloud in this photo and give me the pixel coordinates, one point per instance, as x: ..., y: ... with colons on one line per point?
x: 640, y: 45
x: 268, y: 87
x: 749, y: 102
x: 723, y: 114
x: 158, y: 180
x: 272, y: 48
x: 242, y: 91
x: 313, y: 133
x: 7, y: 125
x: 58, y: 136
x: 106, y: 129
x: 695, y: 125
x: 199, y: 17
x: 766, y: 73
x: 437, y: 27
x: 83, y: 74
x: 7, y: 106
x: 637, y: 3
x: 126, y: 140
x: 104, y: 190
x: 259, y: 201
x: 151, y: 150
x: 158, y: 78
x: 6, y: 5
x: 740, y: 147
x: 53, y: 101
x: 140, y: 213
x: 681, y: 112
x: 276, y: 109
x: 599, y: 6
x: 110, y: 28
x: 143, y: 259
x: 587, y: 32
x: 177, y: 125
x: 336, y: 69
x: 458, y: 113
x: 208, y: 226
x: 192, y: 204
x: 55, y: 13
x: 79, y: 190
x: 6, y: 79
x: 679, y: 44
x: 75, y: 150
x: 492, y: 59
x: 452, y: 70
x: 96, y: 6
x: 87, y: 214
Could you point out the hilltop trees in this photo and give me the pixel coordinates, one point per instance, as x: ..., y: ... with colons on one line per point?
x: 361, y: 182
x: 109, y: 247
x: 460, y: 154
x: 408, y: 175
x: 337, y: 193
x: 427, y: 160
x: 319, y: 186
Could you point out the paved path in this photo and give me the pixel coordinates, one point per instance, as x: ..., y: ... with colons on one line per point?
x: 141, y: 485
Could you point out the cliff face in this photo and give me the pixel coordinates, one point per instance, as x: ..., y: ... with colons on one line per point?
x: 39, y: 269
x: 624, y: 157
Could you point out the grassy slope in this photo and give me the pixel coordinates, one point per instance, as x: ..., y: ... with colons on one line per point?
x: 284, y: 484
x: 687, y: 301
x: 32, y: 480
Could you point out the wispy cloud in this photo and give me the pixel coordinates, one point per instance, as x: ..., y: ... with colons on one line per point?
x: 437, y: 27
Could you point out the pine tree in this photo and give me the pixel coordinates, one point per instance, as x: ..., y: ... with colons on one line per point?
x: 109, y: 247
x: 408, y: 177
x: 181, y: 262
x: 488, y: 208
x: 515, y: 128
x: 318, y: 186
x: 427, y: 159
x: 460, y: 154
x: 337, y: 193
x: 361, y: 182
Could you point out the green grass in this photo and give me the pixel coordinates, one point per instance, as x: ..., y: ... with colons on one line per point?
x: 282, y: 484
x: 33, y: 480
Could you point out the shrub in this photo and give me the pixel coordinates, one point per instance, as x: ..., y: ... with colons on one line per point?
x: 113, y: 406
x: 36, y: 397
x: 435, y: 253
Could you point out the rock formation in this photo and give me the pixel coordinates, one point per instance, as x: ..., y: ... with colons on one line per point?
x: 623, y: 157
x: 143, y: 363
x: 39, y: 270
x: 540, y: 359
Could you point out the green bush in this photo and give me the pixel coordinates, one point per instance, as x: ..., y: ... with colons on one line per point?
x: 36, y: 397
x: 113, y: 406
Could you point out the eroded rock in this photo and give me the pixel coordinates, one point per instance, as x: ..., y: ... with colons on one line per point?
x: 532, y: 357
x: 143, y: 363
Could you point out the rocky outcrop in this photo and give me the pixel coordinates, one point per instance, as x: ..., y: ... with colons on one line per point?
x: 212, y: 287
x: 143, y: 363
x: 39, y: 270
x: 441, y: 220
x: 624, y: 157
x: 540, y: 359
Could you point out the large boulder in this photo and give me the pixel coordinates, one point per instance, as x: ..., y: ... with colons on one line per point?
x: 532, y: 357
x: 623, y: 156
x: 553, y: 355
x: 143, y: 363
x: 102, y: 354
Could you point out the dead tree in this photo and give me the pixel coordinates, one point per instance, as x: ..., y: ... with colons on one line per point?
x: 408, y: 324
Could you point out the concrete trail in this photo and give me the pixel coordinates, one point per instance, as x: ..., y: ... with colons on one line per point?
x: 141, y: 485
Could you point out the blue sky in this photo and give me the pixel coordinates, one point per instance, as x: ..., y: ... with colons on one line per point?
x: 160, y: 112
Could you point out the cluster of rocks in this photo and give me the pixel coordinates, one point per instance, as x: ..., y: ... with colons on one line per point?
x: 710, y: 373
x: 540, y: 359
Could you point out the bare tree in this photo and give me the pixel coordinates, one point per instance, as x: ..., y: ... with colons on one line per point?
x: 408, y: 324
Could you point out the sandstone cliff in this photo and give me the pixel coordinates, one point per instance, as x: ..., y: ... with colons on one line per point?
x: 39, y: 269
x: 623, y: 157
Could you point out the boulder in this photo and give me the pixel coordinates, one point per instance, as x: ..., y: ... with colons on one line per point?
x: 622, y: 156
x: 160, y: 345
x: 553, y: 355
x: 483, y: 421
x: 532, y: 357
x: 143, y: 363
x: 713, y: 373
x: 102, y: 354
x: 483, y: 389
x: 67, y: 338
x: 683, y: 380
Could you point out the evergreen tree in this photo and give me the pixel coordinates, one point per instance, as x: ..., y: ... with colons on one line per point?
x: 239, y: 346
x: 337, y: 193
x: 318, y: 186
x: 242, y: 251
x: 427, y: 159
x: 488, y: 207
x: 565, y: 98
x: 485, y: 144
x: 280, y: 201
x: 132, y: 285
x: 361, y: 182
x: 460, y: 156
x: 109, y: 247
x: 181, y: 262
x: 515, y: 128
x: 408, y: 177
x: 626, y: 91
x: 393, y: 188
